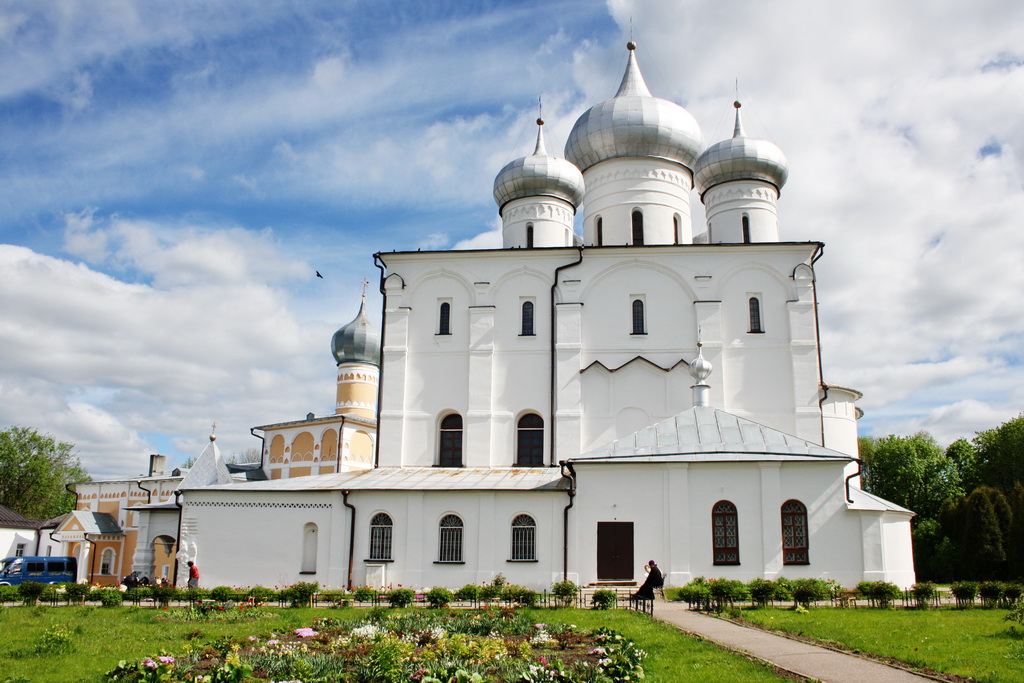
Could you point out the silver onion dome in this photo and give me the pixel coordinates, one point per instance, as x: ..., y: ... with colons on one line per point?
x: 358, y: 341
x: 634, y: 123
x: 700, y: 368
x: 539, y: 175
x: 740, y: 158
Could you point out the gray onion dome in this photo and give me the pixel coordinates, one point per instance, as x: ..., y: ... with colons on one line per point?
x: 358, y: 341
x: 539, y: 175
x: 634, y: 123
x: 740, y: 158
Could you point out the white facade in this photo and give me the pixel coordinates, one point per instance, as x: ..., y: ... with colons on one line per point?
x: 537, y: 414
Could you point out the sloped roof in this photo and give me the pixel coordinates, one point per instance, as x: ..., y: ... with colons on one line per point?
x: 414, y: 478
x: 9, y: 519
x: 209, y: 468
x: 91, y: 523
x: 706, y: 434
x: 862, y: 500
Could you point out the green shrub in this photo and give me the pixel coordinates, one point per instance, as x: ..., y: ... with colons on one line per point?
x: 401, y: 597
x: 163, y: 595
x: 364, y: 594
x: 499, y: 580
x: 965, y: 592
x: 1011, y: 594
x: 727, y: 591
x: 520, y: 595
x: 194, y: 595
x: 762, y: 591
x: 697, y: 593
x: 108, y: 597
x: 882, y: 594
x: 137, y: 595
x: 338, y: 598
x: 469, y: 592
x: 222, y: 593
x: 604, y: 599
x: 565, y: 592
x: 30, y: 591
x: 75, y: 592
x: 261, y: 595
x: 991, y: 593
x: 806, y: 591
x: 439, y: 597
x: 55, y: 640
x: 490, y: 592
x: 302, y: 593
x: 8, y: 594
x: 924, y: 594
x: 783, y: 588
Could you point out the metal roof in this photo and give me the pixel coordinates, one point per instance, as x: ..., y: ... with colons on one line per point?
x: 414, y: 479
x: 705, y: 434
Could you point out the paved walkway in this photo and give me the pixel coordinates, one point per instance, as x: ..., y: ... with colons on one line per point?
x: 809, y: 661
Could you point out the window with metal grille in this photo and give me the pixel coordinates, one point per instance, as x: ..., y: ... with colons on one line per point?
x: 725, y: 532
x: 638, y: 228
x: 450, y: 539
x: 107, y: 561
x: 524, y: 538
x: 638, y: 317
x: 380, y: 536
x: 450, y: 452
x: 794, y: 533
x: 530, y: 441
x: 527, y: 327
x: 755, y: 314
x: 444, y: 319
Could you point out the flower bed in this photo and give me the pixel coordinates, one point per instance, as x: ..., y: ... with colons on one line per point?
x: 429, y: 647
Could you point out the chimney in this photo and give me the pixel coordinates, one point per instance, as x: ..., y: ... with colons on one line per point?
x: 156, y: 465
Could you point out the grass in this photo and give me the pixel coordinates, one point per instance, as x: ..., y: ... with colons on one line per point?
x: 101, y: 637
x: 975, y: 643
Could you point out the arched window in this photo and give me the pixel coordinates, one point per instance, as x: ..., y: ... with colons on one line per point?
x: 444, y: 319
x: 524, y: 538
x: 600, y: 231
x: 309, y: 549
x: 794, y: 533
x: 725, y: 532
x: 638, y: 317
x: 450, y: 454
x: 530, y: 441
x: 450, y: 539
x: 676, y: 231
x: 638, y: 228
x: 529, y: 235
x: 755, y: 315
x: 527, y: 326
x: 107, y: 561
x: 746, y: 228
x: 380, y: 536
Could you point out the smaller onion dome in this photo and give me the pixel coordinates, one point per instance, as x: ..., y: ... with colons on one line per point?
x: 740, y: 158
x: 634, y: 123
x: 700, y: 368
x: 539, y: 175
x: 358, y: 341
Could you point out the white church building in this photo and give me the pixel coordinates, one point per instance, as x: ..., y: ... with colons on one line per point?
x: 572, y: 406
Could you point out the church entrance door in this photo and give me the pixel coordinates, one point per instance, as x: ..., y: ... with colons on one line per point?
x: 615, y: 551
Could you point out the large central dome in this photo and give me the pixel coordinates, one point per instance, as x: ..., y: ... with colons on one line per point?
x: 634, y: 123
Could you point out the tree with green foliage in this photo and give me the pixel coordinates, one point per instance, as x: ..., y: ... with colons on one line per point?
x: 982, y: 552
x: 1001, y: 454
x: 964, y: 456
x: 34, y: 470
x: 1015, y: 538
x: 911, y: 471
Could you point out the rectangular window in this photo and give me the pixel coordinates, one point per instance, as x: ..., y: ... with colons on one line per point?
x: 19, y: 550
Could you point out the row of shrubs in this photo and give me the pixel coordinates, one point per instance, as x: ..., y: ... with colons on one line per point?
x: 992, y: 593
x: 301, y: 594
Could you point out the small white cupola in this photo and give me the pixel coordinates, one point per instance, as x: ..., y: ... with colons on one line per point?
x: 700, y: 370
x: 537, y: 198
x: 739, y: 181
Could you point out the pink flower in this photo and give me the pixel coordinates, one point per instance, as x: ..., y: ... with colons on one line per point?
x: 166, y: 660
x: 305, y: 632
x: 253, y: 638
x: 150, y: 663
x: 597, y: 651
x: 273, y: 641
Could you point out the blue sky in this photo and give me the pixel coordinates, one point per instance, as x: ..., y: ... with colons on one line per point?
x: 174, y: 173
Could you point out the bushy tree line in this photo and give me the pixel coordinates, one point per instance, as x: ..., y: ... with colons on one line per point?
x: 34, y: 470
x: 969, y: 499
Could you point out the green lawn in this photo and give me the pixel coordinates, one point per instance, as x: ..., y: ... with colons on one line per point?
x: 976, y: 643
x: 103, y: 636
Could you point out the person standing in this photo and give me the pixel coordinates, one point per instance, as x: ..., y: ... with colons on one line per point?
x: 193, y: 575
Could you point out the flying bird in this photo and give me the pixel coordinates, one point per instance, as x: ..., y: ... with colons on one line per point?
x: 319, y: 275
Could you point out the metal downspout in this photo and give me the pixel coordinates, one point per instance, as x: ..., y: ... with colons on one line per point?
x: 553, y: 336
x: 819, y: 252
x: 149, y: 494
x: 263, y: 445
x: 380, y: 369
x: 177, y: 541
x: 855, y: 474
x: 565, y: 516
x: 341, y: 429
x: 92, y: 557
x: 351, y: 536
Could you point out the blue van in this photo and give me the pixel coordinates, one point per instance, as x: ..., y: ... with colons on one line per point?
x: 15, y: 570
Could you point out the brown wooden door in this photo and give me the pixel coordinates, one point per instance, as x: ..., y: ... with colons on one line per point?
x: 615, y: 551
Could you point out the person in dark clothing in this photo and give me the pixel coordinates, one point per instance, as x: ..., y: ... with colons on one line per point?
x: 654, y: 580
